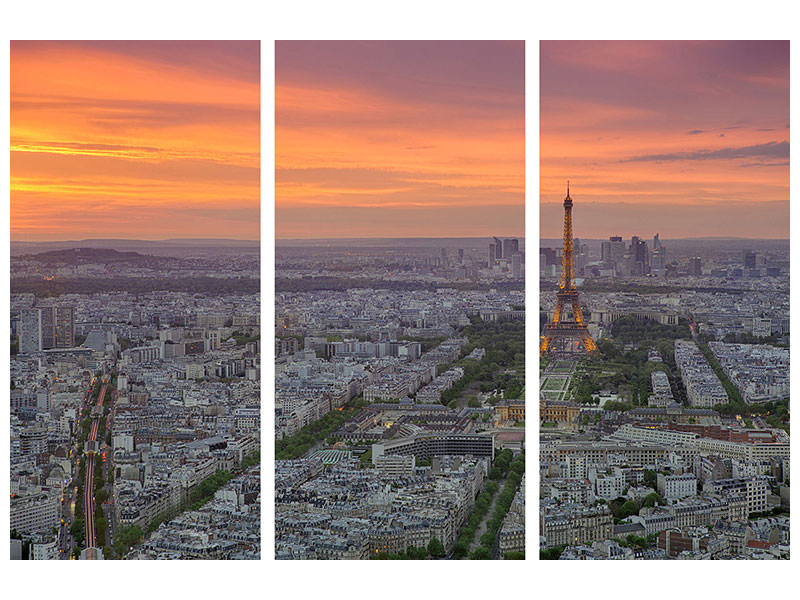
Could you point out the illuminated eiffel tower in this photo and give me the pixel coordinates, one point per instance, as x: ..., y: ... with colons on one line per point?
x: 564, y: 334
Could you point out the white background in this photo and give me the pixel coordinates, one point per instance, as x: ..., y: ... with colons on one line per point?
x: 410, y: 19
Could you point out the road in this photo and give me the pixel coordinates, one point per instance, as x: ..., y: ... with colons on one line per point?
x: 476, y: 541
x: 69, y: 496
x: 88, y: 502
x: 88, y: 498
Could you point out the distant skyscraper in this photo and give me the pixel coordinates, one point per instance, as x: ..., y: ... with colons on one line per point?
x: 612, y: 252
x: 30, y: 330
x: 749, y: 259
x: 658, y: 258
x: 492, y: 254
x: 516, y: 265
x: 617, y: 247
x: 695, y: 266
x: 461, y: 256
x: 550, y: 256
x: 639, y: 256
x: 58, y: 326
x: 498, y: 248
x: 581, y: 255
x: 444, y: 257
x: 510, y: 247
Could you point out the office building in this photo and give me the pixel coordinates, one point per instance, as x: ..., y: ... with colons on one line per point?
x: 30, y: 330
x: 58, y: 326
x: 498, y: 248
x: 510, y: 247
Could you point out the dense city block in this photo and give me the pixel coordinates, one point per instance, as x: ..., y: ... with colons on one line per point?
x: 135, y: 413
x: 400, y: 400
x: 671, y: 440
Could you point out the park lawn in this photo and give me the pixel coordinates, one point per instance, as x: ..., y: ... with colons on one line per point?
x: 552, y: 384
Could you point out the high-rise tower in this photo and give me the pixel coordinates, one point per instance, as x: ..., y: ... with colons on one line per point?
x: 563, y: 333
x: 30, y: 330
x: 58, y: 326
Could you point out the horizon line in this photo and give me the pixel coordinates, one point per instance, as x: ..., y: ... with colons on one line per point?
x: 706, y: 238
x: 258, y: 241
x: 439, y: 237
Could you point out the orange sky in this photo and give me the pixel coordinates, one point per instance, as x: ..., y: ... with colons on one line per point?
x: 685, y: 139
x: 399, y: 139
x: 147, y: 140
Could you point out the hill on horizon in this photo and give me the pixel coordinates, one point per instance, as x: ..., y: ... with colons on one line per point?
x: 177, y: 248
x: 83, y: 256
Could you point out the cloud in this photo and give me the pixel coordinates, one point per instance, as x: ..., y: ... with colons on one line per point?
x: 765, y: 164
x: 769, y: 150
x: 219, y: 59
x: 694, y: 132
x: 137, y: 138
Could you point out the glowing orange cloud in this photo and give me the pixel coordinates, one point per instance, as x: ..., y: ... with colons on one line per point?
x: 373, y: 142
x: 682, y: 138
x: 134, y: 140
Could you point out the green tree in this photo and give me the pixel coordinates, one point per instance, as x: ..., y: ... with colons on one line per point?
x: 653, y: 499
x: 488, y: 537
x: 76, y: 529
x: 629, y: 508
x: 551, y: 553
x: 460, y: 549
x: 436, y: 548
x: 125, y: 537
x: 101, y: 526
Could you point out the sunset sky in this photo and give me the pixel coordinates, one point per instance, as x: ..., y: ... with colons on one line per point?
x: 400, y: 139
x: 687, y: 139
x: 147, y: 140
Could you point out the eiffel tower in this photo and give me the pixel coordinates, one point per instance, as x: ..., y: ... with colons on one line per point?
x: 564, y: 334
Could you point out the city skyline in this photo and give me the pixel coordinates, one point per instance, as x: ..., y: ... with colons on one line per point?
x: 399, y: 139
x: 689, y: 139
x: 135, y: 140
